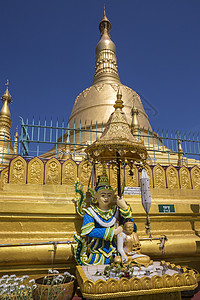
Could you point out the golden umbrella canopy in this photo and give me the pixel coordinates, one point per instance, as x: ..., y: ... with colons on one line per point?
x: 117, y: 143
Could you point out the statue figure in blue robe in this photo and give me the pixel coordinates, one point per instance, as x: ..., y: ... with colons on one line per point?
x: 101, y: 224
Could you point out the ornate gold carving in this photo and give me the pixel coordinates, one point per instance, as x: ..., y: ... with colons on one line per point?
x: 184, y: 175
x: 89, y: 286
x: 69, y: 172
x: 53, y: 172
x: 18, y: 170
x: 172, y: 178
x: 167, y: 280
x: 195, y: 174
x: 156, y: 287
x: 149, y: 173
x: 35, y: 171
x: 99, y: 170
x: 99, y: 87
x: 100, y: 287
x: 159, y: 177
x: 147, y: 283
x: 113, y: 176
x: 86, y: 91
x: 4, y: 176
x: 112, y: 285
x: 115, y: 86
x: 131, y: 180
x: 84, y: 172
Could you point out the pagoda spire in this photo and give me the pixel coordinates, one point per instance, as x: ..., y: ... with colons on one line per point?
x: 106, y: 61
x: 6, y: 148
x: 5, y: 120
x: 6, y: 99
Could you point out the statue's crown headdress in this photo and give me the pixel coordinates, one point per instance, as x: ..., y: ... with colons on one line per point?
x: 103, y: 182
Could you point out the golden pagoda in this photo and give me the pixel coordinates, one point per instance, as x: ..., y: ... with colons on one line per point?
x: 96, y: 102
x: 37, y: 196
x: 93, y: 106
x: 6, y: 147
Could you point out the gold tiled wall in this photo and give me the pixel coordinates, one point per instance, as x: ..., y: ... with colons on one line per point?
x: 55, y: 172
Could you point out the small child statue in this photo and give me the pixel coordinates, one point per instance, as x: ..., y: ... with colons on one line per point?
x: 128, y: 245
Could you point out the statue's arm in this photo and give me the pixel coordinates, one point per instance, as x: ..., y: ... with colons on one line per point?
x: 121, y: 203
x: 127, y: 214
x: 120, y: 249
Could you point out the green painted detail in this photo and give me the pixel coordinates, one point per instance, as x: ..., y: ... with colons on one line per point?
x: 80, y: 198
x: 166, y: 208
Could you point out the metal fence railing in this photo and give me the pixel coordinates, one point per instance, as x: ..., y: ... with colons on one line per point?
x: 37, y: 137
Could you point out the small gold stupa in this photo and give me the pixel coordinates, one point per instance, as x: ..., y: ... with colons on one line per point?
x: 5, y: 124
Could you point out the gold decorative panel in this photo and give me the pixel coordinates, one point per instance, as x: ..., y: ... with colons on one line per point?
x: 18, y: 171
x: 151, y: 288
x: 35, y: 171
x: 69, y: 172
x: 131, y: 180
x: 195, y: 174
x: 4, y: 176
x: 149, y: 173
x: 184, y: 176
x: 84, y: 172
x: 159, y: 177
x: 113, y: 176
x: 53, y: 172
x: 172, y: 178
x: 99, y: 170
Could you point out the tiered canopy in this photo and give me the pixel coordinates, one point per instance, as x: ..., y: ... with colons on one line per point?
x: 117, y: 141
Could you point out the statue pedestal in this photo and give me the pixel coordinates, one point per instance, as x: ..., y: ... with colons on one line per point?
x: 154, y: 286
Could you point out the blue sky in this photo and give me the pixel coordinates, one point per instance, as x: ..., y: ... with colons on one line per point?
x: 48, y: 53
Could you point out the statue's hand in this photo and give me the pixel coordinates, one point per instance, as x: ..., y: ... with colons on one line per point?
x: 118, y: 230
x: 124, y: 258
x: 121, y: 203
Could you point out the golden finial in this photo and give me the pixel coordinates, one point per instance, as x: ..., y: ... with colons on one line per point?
x: 119, y: 94
x: 104, y: 25
x: 16, y: 134
x: 180, y: 153
x: 179, y: 146
x: 6, y: 99
x: 119, y: 102
x: 6, y: 95
x: 7, y: 83
x: 134, y: 113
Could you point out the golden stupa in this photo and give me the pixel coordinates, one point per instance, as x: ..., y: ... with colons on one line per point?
x: 6, y: 147
x: 37, y: 196
x: 96, y: 102
x: 93, y: 106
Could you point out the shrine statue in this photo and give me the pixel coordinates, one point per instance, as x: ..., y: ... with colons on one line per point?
x: 101, y: 225
x: 128, y: 245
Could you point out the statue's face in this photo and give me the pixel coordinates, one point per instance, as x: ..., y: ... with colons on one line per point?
x: 128, y: 227
x: 104, y: 199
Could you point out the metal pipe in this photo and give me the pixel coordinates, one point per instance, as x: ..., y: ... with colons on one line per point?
x: 37, y: 244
